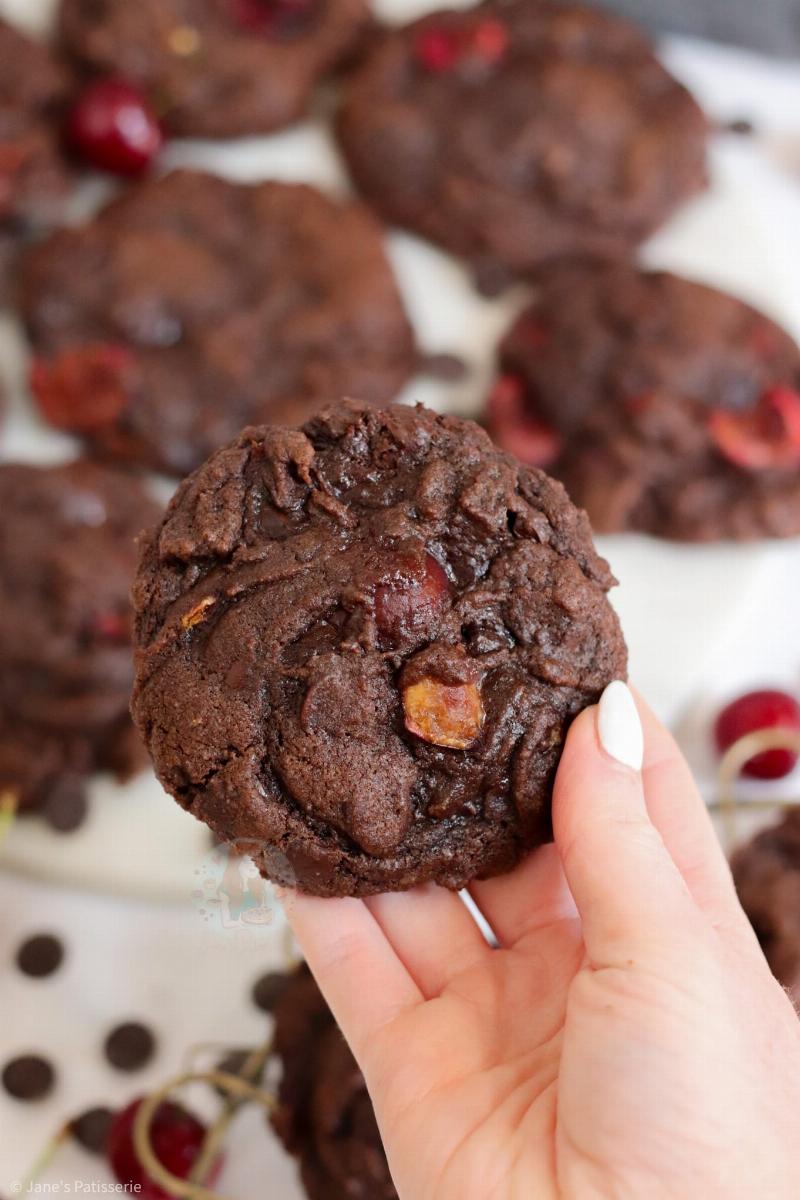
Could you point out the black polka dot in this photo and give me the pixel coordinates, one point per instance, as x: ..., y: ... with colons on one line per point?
x: 40, y: 956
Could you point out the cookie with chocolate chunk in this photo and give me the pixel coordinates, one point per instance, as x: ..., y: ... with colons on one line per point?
x: 192, y: 306
x: 324, y: 1115
x: 34, y: 175
x: 665, y: 406
x: 360, y: 645
x: 67, y: 556
x: 515, y: 134
x: 216, y: 68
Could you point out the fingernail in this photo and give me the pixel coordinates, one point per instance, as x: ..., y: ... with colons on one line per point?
x: 619, y: 727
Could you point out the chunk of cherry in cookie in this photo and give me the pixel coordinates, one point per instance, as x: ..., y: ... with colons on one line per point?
x: 440, y: 47
x: 84, y: 388
x: 410, y: 599
x: 765, y: 437
x: 515, y: 428
x: 277, y: 19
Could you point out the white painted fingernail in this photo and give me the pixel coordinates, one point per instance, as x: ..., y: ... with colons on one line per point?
x: 619, y: 727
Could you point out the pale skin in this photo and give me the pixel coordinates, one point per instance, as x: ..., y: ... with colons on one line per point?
x: 625, y: 1040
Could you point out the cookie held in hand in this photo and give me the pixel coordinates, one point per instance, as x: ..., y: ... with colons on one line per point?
x: 361, y: 644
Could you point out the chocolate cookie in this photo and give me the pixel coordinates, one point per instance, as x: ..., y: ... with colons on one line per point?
x: 325, y: 1117
x: 34, y: 177
x: 767, y: 876
x: 360, y: 646
x: 67, y: 556
x: 518, y: 133
x: 192, y: 306
x: 216, y: 68
x: 664, y: 406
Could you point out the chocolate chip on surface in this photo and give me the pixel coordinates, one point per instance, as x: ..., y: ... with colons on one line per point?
x: 28, y: 1077
x: 66, y: 809
x: 268, y: 989
x: 91, y: 1128
x: 40, y: 956
x: 130, y: 1046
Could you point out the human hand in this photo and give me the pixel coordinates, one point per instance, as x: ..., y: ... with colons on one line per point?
x: 626, y: 1039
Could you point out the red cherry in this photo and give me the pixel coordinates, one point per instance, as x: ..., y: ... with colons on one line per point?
x: 271, y: 18
x: 83, y: 389
x: 489, y: 40
x: 113, y: 127
x: 412, y: 597
x: 754, y: 711
x: 109, y: 627
x: 437, y: 49
x: 515, y: 430
x: 766, y: 436
x: 176, y: 1137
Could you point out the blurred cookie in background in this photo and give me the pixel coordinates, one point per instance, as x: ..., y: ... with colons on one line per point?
x: 192, y: 306
x: 767, y: 875
x: 34, y: 175
x: 324, y: 1116
x: 664, y: 405
x: 515, y: 134
x: 67, y: 557
x: 215, y: 68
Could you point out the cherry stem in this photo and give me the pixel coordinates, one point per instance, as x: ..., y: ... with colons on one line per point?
x: 42, y: 1162
x: 238, y: 1090
x: 251, y: 1071
x: 730, y: 769
x: 9, y: 806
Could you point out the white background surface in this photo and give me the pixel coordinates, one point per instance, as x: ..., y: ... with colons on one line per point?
x: 701, y: 623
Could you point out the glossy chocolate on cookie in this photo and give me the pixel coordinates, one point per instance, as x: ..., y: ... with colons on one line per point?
x: 192, y: 306
x: 216, y: 68
x: 517, y: 133
x: 360, y: 646
x: 324, y: 1115
x: 767, y: 875
x: 34, y: 177
x: 664, y: 406
x: 67, y: 557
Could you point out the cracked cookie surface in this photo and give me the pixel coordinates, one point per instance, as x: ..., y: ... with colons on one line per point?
x: 192, y: 306
x: 360, y: 646
x: 515, y: 134
x: 216, y: 68
x: 665, y: 406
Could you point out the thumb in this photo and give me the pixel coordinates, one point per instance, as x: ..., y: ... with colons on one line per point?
x: 632, y: 899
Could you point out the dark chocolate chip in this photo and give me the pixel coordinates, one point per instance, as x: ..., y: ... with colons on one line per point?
x: 268, y: 990
x: 40, y: 956
x: 28, y: 1077
x: 447, y: 367
x: 741, y: 126
x: 491, y: 278
x: 130, y: 1047
x: 67, y: 806
x: 233, y: 1062
x: 91, y: 1128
